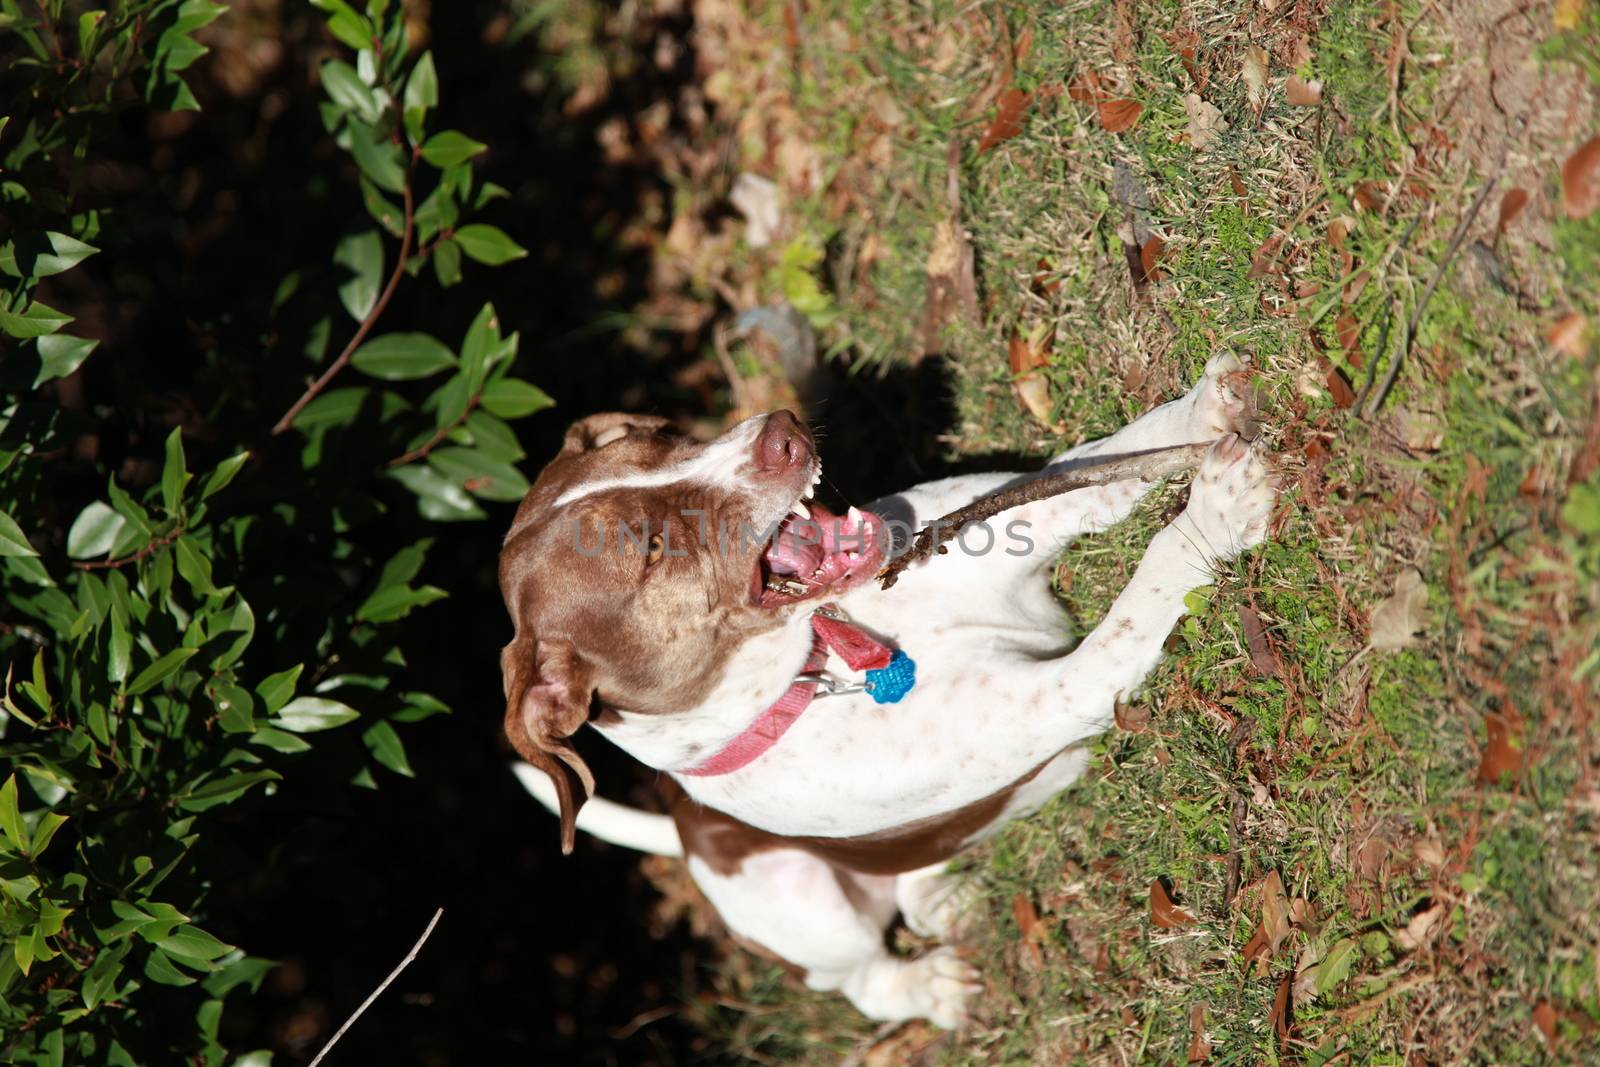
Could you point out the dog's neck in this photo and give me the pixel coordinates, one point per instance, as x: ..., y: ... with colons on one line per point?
x: 761, y: 671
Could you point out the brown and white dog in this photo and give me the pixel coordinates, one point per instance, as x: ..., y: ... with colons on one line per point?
x: 809, y: 812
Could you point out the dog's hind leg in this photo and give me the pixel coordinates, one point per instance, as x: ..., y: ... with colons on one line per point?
x: 832, y: 924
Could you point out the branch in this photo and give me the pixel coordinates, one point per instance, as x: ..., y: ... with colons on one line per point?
x: 1142, y: 466
x: 365, y: 1004
x: 433, y: 442
x: 367, y: 323
x: 109, y: 564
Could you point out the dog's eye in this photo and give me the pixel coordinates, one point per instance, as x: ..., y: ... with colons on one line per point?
x: 658, y: 547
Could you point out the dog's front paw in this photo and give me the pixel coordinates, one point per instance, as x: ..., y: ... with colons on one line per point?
x: 1223, y: 401
x: 943, y: 983
x: 1229, y: 502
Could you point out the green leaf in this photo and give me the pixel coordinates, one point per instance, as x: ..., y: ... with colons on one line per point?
x: 396, y: 602
x: 218, y: 479
x: 512, y: 398
x: 158, y: 968
x: 403, y: 356
x: 1582, y: 509
x: 13, y: 542
x: 447, y: 263
x: 11, y: 817
x: 482, y: 337
x: 276, y: 689
x: 37, y: 321
x: 60, y: 354
x: 39, y: 255
x: 160, y: 670
x: 94, y: 531
x: 190, y: 943
x: 235, y: 710
x: 437, y: 497
x: 278, y: 741
x: 386, y: 748
x: 194, y: 566
x: 1335, y: 967
x: 494, y: 437
x: 304, y: 715
x: 479, y: 473
x: 420, y: 706
x: 362, y: 255
x: 488, y: 244
x: 379, y: 160
x: 45, y: 831
x: 173, y: 474
x: 336, y: 407
x: 422, y: 87
x: 448, y: 148
x: 225, y: 789
x: 344, y: 88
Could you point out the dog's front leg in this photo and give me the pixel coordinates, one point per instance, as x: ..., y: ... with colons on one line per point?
x: 831, y: 923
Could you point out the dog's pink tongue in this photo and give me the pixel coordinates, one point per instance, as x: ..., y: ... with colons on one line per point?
x: 798, y: 547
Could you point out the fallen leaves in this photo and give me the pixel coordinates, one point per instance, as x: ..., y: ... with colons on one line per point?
x: 1570, y: 335
x: 1027, y: 357
x: 1262, y: 656
x: 1163, y: 912
x: 952, y: 269
x: 1544, y: 1017
x: 1254, y: 72
x: 1317, y: 979
x: 1398, y: 620
x: 1031, y: 929
x: 1303, y: 93
x: 1424, y: 926
x: 1008, y: 119
x: 1511, y: 206
x: 1116, y: 114
x: 1580, y: 180
x: 1205, y: 121
x: 1199, y: 1047
x: 1502, y: 750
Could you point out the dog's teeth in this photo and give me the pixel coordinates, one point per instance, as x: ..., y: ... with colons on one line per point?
x: 800, y: 509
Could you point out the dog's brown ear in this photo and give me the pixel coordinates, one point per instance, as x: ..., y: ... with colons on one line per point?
x: 596, y: 431
x: 548, y: 693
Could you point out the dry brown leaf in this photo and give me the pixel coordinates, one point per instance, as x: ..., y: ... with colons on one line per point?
x: 906, y: 1044
x: 1511, y: 206
x: 1569, y: 334
x: 1134, y: 718
x: 1303, y: 93
x: 1205, y: 121
x: 1087, y: 88
x: 1370, y: 195
x: 1163, y: 912
x: 1199, y: 1047
x: 1338, y: 230
x: 1239, y: 190
x: 1119, y: 115
x: 1034, y: 392
x: 1255, y: 639
x: 1580, y: 180
x: 1149, y: 255
x: 1339, y: 388
x: 1303, y: 914
x: 1370, y: 856
x: 1025, y: 354
x: 1274, y: 911
x: 1423, y: 927
x: 1567, y: 14
x: 1502, y: 752
x: 1398, y: 620
x: 1544, y: 1017
x: 1265, y: 260
x: 1255, y: 950
x: 1186, y: 43
x: 1008, y: 119
x: 1029, y: 927
x: 1280, y: 1010
x: 1348, y: 329
x: 1254, y: 72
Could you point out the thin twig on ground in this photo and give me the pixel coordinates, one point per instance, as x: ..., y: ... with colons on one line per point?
x: 1410, y: 335
x: 365, y: 1004
x: 1129, y: 466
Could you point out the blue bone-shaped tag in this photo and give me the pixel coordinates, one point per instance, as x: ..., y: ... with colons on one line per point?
x: 888, y: 684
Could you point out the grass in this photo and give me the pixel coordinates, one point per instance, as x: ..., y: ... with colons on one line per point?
x: 1443, y: 914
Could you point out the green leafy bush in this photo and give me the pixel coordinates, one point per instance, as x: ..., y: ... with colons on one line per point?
x: 175, y: 643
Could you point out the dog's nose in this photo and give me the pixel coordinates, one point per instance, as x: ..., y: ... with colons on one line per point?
x: 783, y: 444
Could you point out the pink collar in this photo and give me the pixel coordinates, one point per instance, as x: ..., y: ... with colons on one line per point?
x: 830, y: 632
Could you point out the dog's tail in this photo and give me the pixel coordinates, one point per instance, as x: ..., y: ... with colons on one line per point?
x: 616, y: 823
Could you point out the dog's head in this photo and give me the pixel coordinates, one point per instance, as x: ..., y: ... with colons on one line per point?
x: 641, y: 560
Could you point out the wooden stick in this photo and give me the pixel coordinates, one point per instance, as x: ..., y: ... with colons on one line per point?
x: 1144, y: 466
x: 365, y: 1004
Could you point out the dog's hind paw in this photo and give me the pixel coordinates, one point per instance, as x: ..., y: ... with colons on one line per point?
x: 943, y: 984
x: 1224, y: 401
x: 1230, y: 501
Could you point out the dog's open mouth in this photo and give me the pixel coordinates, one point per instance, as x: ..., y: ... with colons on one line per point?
x: 817, y: 553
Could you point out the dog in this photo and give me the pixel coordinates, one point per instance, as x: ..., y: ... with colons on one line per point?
x: 827, y: 746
